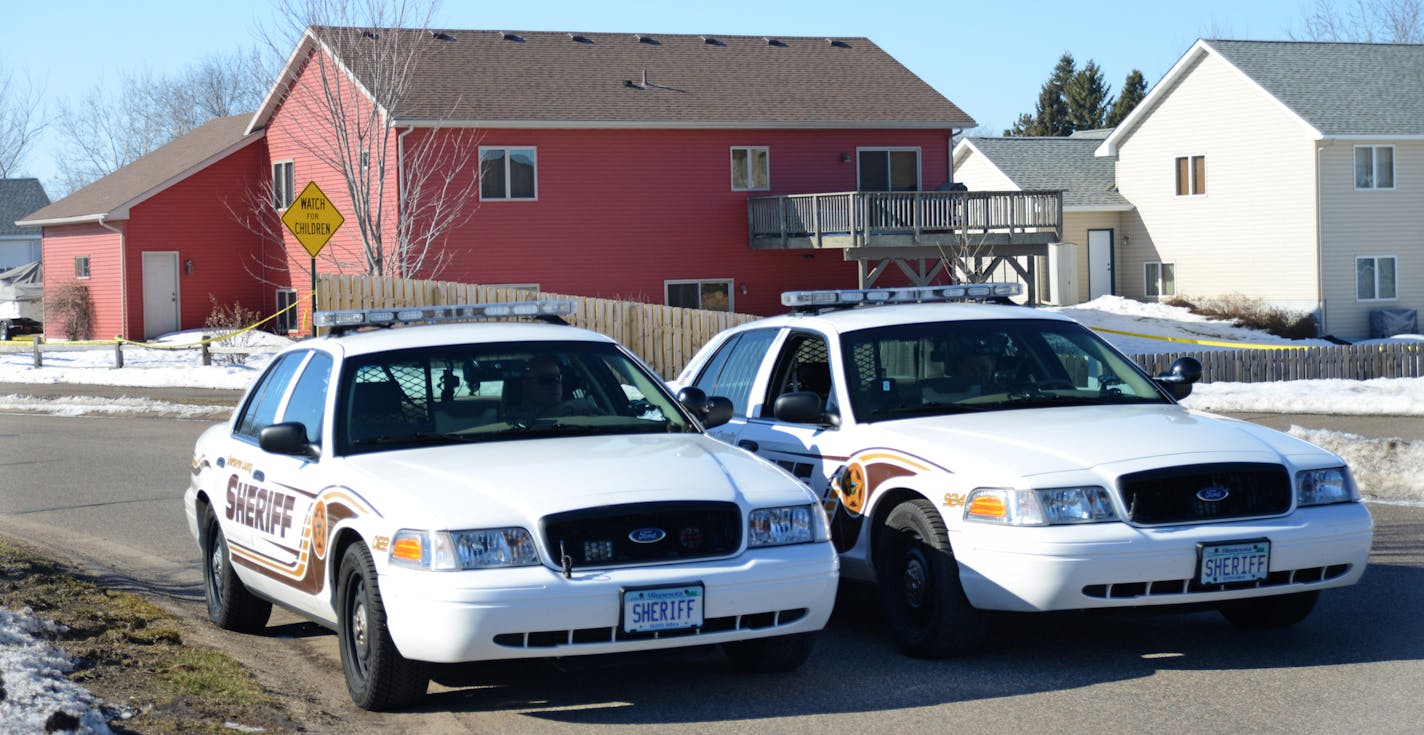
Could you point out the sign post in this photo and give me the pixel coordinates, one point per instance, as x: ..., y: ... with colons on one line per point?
x: 312, y: 219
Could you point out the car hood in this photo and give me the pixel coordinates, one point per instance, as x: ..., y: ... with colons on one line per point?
x: 516, y: 482
x: 1032, y: 442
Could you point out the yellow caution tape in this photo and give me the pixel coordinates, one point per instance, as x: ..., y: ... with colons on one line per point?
x: 1208, y: 342
x: 188, y: 345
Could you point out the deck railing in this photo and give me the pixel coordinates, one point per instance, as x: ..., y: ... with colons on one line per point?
x: 865, y: 215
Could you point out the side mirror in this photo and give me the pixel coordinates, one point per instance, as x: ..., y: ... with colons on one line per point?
x: 1179, y: 378
x: 286, y: 438
x: 802, y: 407
x: 711, y: 411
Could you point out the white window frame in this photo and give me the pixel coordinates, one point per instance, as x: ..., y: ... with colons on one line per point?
x: 507, y: 149
x: 1374, y: 167
x: 728, y: 282
x: 1151, y: 285
x: 1394, y: 285
x: 81, y: 267
x: 527, y: 287
x: 288, y: 319
x: 887, y: 150
x: 284, y: 190
x: 1192, y: 183
x: 748, y: 174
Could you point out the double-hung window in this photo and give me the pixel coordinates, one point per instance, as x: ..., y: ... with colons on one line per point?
x: 81, y: 266
x: 1159, y: 279
x: 1191, y: 176
x: 751, y: 170
x: 1374, y: 167
x: 507, y: 173
x: 1375, y: 278
x: 282, y: 185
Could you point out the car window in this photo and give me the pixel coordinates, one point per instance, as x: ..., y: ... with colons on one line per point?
x: 308, y: 402
x: 733, y: 368
x: 262, y: 403
x: 497, y: 392
x: 802, y: 365
x: 907, y: 370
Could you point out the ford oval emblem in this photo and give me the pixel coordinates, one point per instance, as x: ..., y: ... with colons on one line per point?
x: 1212, y: 494
x: 647, y: 535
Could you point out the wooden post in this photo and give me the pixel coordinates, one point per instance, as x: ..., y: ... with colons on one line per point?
x: 39, y: 338
x: 118, y: 355
x: 207, y: 354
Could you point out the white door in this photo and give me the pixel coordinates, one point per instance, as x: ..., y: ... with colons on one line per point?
x: 1100, y: 263
x: 160, y: 294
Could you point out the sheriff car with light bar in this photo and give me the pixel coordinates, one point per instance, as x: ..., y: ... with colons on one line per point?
x: 977, y: 457
x: 443, y: 485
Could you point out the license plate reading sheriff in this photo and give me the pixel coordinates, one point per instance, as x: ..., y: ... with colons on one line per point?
x: 1238, y: 561
x: 662, y: 608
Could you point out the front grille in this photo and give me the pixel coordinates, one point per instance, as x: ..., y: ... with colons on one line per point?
x: 1171, y: 587
x: 1181, y: 494
x: 641, y: 533
x: 586, y: 636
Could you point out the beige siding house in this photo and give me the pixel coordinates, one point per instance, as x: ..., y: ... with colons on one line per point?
x: 1292, y: 172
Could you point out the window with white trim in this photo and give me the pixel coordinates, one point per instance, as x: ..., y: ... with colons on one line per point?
x: 282, y: 185
x: 1159, y: 279
x: 286, y: 320
x: 1191, y: 176
x: 81, y: 266
x: 888, y: 169
x: 751, y: 168
x: 507, y: 173
x: 1375, y: 278
x: 1374, y: 167
x: 715, y: 295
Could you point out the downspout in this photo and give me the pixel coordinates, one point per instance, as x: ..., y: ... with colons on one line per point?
x: 400, y: 189
x: 1319, y: 245
x: 123, y: 275
x: 949, y: 155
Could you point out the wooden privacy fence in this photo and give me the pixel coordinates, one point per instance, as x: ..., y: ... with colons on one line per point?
x: 666, y: 337
x: 1346, y: 362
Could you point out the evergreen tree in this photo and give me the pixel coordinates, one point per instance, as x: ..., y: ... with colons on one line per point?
x: 1086, y: 98
x: 1051, y: 115
x: 1133, y: 90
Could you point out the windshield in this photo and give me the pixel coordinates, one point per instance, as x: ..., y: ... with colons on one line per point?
x: 498, y: 392
x: 933, y: 368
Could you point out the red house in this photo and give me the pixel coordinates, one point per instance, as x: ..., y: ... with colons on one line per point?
x: 614, y: 165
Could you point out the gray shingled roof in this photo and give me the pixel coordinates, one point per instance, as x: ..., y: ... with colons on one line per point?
x: 1339, y: 88
x: 112, y: 194
x: 597, y: 78
x: 19, y: 197
x: 1068, y: 164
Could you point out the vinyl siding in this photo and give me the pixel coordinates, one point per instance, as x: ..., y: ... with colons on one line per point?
x: 1253, y: 231
x: 1075, y: 230
x: 61, y: 246
x: 976, y: 172
x: 1370, y: 223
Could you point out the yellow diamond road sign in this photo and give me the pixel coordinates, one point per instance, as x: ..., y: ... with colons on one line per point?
x: 312, y: 218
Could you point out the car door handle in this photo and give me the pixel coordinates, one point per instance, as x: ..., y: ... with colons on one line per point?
x: 748, y: 445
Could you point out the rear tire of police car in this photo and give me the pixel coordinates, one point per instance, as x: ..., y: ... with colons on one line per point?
x: 230, y: 605
x: 770, y: 655
x: 377, y: 675
x: 1264, y: 613
x: 925, y: 606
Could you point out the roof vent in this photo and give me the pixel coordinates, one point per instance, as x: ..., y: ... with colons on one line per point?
x: 371, y: 35
x: 515, y: 37
x: 441, y: 36
x: 649, y: 40
x: 710, y: 41
x: 775, y: 42
x: 576, y: 38
x: 837, y: 44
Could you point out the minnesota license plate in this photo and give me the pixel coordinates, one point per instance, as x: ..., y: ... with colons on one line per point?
x: 662, y: 608
x: 1236, y: 561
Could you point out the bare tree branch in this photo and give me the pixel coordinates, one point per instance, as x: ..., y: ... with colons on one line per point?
x: 1368, y: 21
x: 20, y: 122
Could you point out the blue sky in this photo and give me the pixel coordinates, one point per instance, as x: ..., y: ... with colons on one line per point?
x: 987, y: 57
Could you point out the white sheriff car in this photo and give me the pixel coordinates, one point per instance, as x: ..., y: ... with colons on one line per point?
x: 464, y: 492
x: 977, y: 457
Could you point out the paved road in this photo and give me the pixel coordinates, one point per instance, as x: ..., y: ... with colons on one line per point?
x: 107, y: 491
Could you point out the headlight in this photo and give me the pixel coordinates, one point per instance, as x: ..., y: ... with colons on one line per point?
x: 1047, y: 507
x: 459, y: 550
x: 796, y: 524
x: 1320, y: 487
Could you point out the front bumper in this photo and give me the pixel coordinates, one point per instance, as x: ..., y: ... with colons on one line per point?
x: 1116, y: 565
x: 450, y: 617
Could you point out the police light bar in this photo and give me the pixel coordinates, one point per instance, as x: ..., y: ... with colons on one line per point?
x: 909, y: 295
x: 352, y: 318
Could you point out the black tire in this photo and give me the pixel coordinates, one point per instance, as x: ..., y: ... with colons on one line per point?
x: 1264, y: 613
x: 377, y: 675
x: 925, y: 606
x: 769, y: 655
x: 230, y: 605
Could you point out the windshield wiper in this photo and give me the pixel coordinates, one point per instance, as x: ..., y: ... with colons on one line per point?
x: 927, y: 409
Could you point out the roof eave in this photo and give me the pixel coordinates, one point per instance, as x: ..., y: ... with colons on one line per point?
x: 679, y: 124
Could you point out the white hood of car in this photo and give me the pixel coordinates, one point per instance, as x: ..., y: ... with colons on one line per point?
x: 1032, y: 442
x: 515, y: 482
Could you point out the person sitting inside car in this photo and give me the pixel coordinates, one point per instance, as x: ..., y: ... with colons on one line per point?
x: 973, y: 374
x: 540, y: 393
